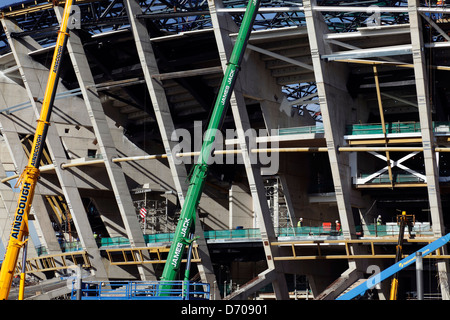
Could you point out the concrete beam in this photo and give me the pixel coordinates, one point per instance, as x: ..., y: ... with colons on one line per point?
x: 260, y: 281
x: 343, y: 282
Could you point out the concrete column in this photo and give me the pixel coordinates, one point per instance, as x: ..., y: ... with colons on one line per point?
x: 34, y: 76
x: 166, y: 127
x: 334, y: 105
x: 157, y: 94
x: 334, y: 99
x: 423, y: 101
x: 10, y: 95
x: 8, y: 205
x: 38, y: 206
x: 431, y: 170
x: 107, y: 148
x: 223, y: 26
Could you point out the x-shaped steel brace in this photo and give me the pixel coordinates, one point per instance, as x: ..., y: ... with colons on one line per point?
x: 394, y: 163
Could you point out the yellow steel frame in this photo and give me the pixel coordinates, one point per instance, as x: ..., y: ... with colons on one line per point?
x: 292, y: 254
x: 120, y: 256
x: 383, y: 141
x: 55, y: 262
x: 134, y: 256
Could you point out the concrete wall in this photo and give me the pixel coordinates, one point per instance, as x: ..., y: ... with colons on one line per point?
x: 241, y: 208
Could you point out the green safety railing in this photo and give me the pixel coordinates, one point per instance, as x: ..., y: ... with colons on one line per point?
x: 385, y: 230
x: 394, y: 127
x: 371, y: 128
x: 254, y: 233
x: 232, y: 234
x: 115, y: 241
x: 306, y: 231
x: 376, y: 128
x: 300, y: 130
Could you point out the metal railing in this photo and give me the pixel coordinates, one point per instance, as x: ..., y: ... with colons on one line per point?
x: 55, y: 262
x: 301, y: 130
x: 141, y: 290
x: 232, y: 234
x: 395, y: 127
x: 254, y: 233
x: 371, y: 128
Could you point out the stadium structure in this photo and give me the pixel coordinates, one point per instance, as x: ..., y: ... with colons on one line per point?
x: 337, y: 124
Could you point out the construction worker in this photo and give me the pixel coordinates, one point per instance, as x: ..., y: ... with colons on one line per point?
x: 438, y: 16
x: 338, y: 226
x: 379, y: 220
x: 300, y: 222
x: 410, y: 225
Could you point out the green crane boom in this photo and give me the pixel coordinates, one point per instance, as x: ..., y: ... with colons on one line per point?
x: 188, y: 212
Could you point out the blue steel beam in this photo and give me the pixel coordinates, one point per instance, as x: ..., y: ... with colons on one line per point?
x: 377, y: 278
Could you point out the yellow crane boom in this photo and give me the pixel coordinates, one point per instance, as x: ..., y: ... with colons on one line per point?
x: 29, y: 177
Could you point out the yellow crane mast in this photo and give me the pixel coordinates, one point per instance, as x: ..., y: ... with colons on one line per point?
x: 29, y: 177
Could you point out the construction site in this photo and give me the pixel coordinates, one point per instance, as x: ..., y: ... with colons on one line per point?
x: 224, y: 149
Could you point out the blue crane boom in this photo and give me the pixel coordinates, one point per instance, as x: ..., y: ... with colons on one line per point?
x: 377, y: 278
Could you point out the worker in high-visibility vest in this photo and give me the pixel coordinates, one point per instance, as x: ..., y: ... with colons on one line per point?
x: 338, y: 226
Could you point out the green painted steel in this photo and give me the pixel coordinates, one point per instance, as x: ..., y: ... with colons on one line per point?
x: 395, y: 127
x: 188, y: 212
x: 300, y: 130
